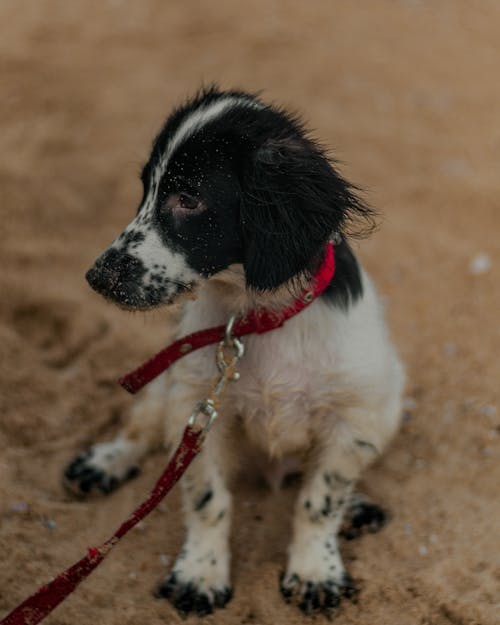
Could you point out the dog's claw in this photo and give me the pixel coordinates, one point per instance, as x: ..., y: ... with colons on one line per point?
x: 313, y: 597
x: 187, y: 598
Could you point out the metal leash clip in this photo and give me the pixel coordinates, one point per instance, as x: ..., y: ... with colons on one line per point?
x: 229, y: 351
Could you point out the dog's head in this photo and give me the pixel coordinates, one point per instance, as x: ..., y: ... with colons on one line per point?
x: 229, y: 180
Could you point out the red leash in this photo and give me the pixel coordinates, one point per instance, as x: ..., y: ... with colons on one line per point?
x: 34, y: 609
x: 256, y: 321
x: 48, y: 597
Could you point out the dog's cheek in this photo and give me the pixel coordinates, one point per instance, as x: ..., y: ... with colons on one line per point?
x: 162, y: 263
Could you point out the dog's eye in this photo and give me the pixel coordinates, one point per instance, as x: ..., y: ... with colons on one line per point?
x: 183, y: 203
x: 188, y: 201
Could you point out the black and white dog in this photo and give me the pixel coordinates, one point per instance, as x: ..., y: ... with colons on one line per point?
x: 239, y: 204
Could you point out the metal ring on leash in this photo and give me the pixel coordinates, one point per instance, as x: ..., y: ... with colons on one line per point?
x: 225, y: 364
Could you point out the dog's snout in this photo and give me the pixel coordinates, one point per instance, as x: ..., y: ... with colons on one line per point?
x: 113, y: 269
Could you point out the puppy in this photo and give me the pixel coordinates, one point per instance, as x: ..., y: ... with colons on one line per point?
x: 238, y: 206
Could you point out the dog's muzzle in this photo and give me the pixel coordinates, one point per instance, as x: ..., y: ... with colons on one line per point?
x: 117, y: 276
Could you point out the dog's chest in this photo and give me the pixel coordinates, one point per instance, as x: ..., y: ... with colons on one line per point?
x: 275, y: 396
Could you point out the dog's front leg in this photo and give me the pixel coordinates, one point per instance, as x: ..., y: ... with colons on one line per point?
x: 200, y: 578
x: 315, y: 576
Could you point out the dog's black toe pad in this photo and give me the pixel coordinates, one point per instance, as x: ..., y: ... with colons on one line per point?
x: 187, y: 598
x: 81, y: 477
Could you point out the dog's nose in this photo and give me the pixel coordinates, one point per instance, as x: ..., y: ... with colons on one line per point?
x: 110, y: 270
x: 102, y: 278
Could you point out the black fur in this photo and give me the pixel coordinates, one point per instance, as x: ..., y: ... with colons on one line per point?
x: 345, y: 287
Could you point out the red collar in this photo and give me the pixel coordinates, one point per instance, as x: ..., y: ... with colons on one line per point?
x: 259, y: 321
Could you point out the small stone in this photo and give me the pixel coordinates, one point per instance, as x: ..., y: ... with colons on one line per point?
x: 50, y: 524
x: 132, y: 575
x: 409, y: 406
x: 164, y: 559
x: 409, y: 403
x: 408, y: 529
x: 422, y: 550
x: 20, y: 506
x: 433, y: 538
x: 407, y: 417
x: 481, y: 263
x: 450, y: 350
x: 488, y: 410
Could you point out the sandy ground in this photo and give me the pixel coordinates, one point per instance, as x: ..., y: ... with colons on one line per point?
x: 408, y: 95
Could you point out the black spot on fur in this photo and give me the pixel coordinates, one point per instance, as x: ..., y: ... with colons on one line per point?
x: 341, y: 479
x: 204, y: 499
x: 367, y: 445
x: 327, y: 506
x: 365, y: 516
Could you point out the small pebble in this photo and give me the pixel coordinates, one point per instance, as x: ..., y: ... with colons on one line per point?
x: 19, y: 506
x: 488, y: 410
x: 407, y: 416
x: 422, y: 550
x: 480, y: 264
x: 132, y: 575
x: 164, y: 559
x: 141, y: 526
x: 433, y: 538
x: 409, y: 403
x: 50, y: 524
x: 450, y: 350
x: 448, y: 415
x: 408, y: 529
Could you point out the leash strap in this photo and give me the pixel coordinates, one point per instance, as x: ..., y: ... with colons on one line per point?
x: 256, y: 321
x: 48, y: 597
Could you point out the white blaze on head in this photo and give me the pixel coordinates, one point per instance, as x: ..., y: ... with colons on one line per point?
x: 199, y: 118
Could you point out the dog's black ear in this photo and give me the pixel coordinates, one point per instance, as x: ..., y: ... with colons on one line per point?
x: 293, y: 201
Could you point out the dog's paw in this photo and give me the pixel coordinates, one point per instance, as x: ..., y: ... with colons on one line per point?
x: 102, y: 468
x: 363, y: 516
x: 324, y: 596
x: 188, y: 597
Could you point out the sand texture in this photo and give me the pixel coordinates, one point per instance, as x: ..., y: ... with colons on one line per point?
x: 407, y: 94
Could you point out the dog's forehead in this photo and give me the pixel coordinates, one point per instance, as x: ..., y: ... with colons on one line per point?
x: 194, y: 120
